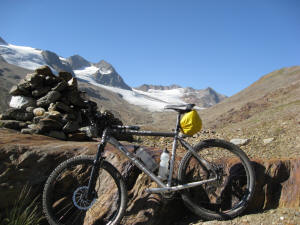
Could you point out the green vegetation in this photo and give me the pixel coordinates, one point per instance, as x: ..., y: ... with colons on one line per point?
x: 23, y: 212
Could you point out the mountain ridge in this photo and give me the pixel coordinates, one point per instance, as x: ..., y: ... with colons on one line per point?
x: 104, y: 75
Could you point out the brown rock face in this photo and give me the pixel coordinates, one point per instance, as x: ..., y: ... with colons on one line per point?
x: 31, y: 158
x: 278, y: 184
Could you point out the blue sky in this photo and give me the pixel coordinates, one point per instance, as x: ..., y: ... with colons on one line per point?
x: 225, y: 44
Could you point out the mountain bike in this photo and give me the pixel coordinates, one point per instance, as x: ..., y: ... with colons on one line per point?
x: 215, y: 180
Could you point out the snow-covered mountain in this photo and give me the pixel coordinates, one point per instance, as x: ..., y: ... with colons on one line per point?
x: 204, y: 97
x: 103, y: 74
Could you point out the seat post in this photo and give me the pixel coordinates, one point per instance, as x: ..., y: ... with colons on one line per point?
x: 172, y: 162
x: 177, y: 129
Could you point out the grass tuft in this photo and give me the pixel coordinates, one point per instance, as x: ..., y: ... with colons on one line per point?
x: 23, y: 213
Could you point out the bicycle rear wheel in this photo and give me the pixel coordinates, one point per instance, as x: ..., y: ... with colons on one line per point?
x: 229, y: 195
x: 64, y: 196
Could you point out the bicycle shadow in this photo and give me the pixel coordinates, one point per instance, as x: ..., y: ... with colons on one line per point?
x: 153, y: 209
x: 268, y: 186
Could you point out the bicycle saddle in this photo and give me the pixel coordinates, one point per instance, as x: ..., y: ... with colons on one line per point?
x: 180, y: 108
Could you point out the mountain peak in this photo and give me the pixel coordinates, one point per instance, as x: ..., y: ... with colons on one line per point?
x: 2, y: 42
x: 107, y: 75
x: 105, y: 67
x: 53, y: 61
x: 78, y: 62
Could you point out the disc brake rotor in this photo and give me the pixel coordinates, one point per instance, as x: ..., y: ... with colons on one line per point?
x: 80, y: 199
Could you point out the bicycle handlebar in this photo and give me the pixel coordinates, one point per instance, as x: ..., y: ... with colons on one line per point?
x: 126, y: 127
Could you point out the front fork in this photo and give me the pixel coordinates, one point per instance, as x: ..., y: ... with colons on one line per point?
x: 96, y: 166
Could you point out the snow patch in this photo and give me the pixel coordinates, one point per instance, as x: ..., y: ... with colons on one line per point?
x: 86, y: 72
x: 153, y: 101
x: 26, y: 57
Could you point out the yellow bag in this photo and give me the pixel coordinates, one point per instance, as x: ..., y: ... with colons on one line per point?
x: 190, y: 123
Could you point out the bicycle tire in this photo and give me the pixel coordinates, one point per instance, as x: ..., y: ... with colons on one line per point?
x: 235, y: 191
x: 64, y: 192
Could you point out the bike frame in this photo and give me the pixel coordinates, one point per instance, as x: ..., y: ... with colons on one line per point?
x: 163, y: 188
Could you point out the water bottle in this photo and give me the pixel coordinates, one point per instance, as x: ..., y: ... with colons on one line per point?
x: 164, y: 165
x: 146, y: 158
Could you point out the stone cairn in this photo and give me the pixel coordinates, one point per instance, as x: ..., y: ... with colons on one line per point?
x: 43, y: 103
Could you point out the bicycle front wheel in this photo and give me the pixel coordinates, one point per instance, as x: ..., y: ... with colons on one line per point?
x: 65, y: 199
x: 229, y: 194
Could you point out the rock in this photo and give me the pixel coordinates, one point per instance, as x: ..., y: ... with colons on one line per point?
x: 30, y: 109
x: 57, y: 134
x: 27, y: 159
x: 277, y: 184
x: 73, y: 83
x: 50, y: 80
x: 30, y: 160
x: 63, y: 107
x: 45, y: 101
x: 17, y: 114
x: 60, y: 96
x: 13, y: 124
x: 60, y: 86
x: 65, y: 100
x: 51, y: 107
x: 40, y: 91
x: 54, y: 115
x: 37, y: 119
x: 39, y: 111
x: 24, y: 86
x: 71, y: 126
x: 75, y: 99
x: 35, y: 80
x: 68, y: 117
x: 81, y: 136
x: 46, y: 125
x: 29, y: 131
x: 66, y: 76
x: 15, y: 91
x: 60, y: 106
x: 89, y: 131
x: 21, y: 102
x: 44, y: 70
x: 268, y: 140
x: 239, y: 142
x: 33, y: 126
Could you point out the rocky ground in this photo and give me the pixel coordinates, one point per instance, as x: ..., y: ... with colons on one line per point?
x: 30, y: 158
x: 267, y: 122
x: 280, y: 216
